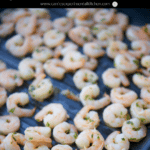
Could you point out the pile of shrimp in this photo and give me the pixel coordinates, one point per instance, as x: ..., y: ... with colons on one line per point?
x: 40, y: 44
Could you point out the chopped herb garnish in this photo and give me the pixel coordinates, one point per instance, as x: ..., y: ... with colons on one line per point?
x: 47, y: 124
x: 67, y: 131
x: 136, y: 62
x: 32, y: 88
x: 130, y: 122
x: 75, y: 135
x: 95, y: 28
x: 12, y: 110
x: 31, y: 138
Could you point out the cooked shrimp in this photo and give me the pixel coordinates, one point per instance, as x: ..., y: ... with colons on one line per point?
x: 41, y: 88
x: 126, y: 63
x: 54, y: 68
x: 6, y: 29
x: 134, y: 33
x: 18, y: 46
x: 3, y: 96
x: 30, y: 68
x: 10, y: 79
x: 115, y: 47
x: 84, y: 77
x: 16, y: 99
x: 63, y: 24
x: 52, y: 115
x: 53, y: 38
x: 61, y: 147
x: 89, y: 136
x: 123, y: 96
x: 73, y: 60
x: 86, y: 119
x: 134, y: 130
x: 90, y: 92
x: 9, y: 124
x: 42, y: 53
x: 145, y: 94
x: 65, y: 133
x: 114, y: 78
x: 93, y: 50
x: 117, y: 141
x: 114, y: 115
x: 39, y: 135
x: 141, y: 110
x: 26, y: 26
x: 2, y: 66
x: 80, y: 35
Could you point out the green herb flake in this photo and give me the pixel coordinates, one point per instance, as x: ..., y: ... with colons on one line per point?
x: 123, y: 139
x: 136, y: 62
x: 130, y: 122
x: 31, y: 138
x: 47, y: 124
x: 12, y: 110
x: 75, y: 135
x: 67, y: 131
x: 95, y: 28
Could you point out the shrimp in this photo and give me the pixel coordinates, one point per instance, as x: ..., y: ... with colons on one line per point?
x: 80, y: 35
x: 41, y: 88
x: 126, y: 63
x: 84, y: 77
x: 65, y: 133
x: 98, y: 27
x: 86, y: 119
x: 115, y: 47
x: 3, y: 96
x: 123, y: 96
x: 93, y: 50
x: 117, y: 141
x: 134, y: 130
x: 141, y: 110
x: 134, y: 33
x: 90, y: 136
x: 53, y: 38
x: 90, y: 92
x: 26, y: 26
x: 63, y: 24
x: 6, y: 29
x: 61, y: 147
x: 30, y: 68
x: 63, y: 49
x: 2, y: 66
x: 140, y: 80
x: 114, y: 115
x: 54, y: 68
x: 18, y: 46
x: 9, y: 124
x: 16, y: 99
x: 10, y: 79
x: 39, y: 135
x: 145, y: 94
x: 114, y: 78
x: 52, y: 115
x: 42, y: 53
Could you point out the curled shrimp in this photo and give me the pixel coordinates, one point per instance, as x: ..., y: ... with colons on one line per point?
x: 145, y: 94
x: 73, y: 60
x: 41, y: 88
x: 6, y: 29
x: 53, y: 38
x: 52, y: 115
x: 63, y: 24
x: 134, y: 130
x: 30, y: 68
x: 16, y: 99
x: 61, y: 147
x: 86, y: 119
x: 10, y: 79
x: 117, y: 141
x: 80, y: 35
x: 140, y: 109
x: 90, y: 136
x: 39, y: 135
x: 114, y: 78
x: 54, y: 68
x: 126, y: 63
x: 42, y: 53
x: 2, y: 66
x: 65, y: 133
x: 123, y: 96
x: 8, y: 124
x: 90, y: 92
x: 18, y: 46
x: 84, y: 77
x: 114, y: 115
x: 93, y: 50
x: 114, y: 48
x: 3, y: 96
